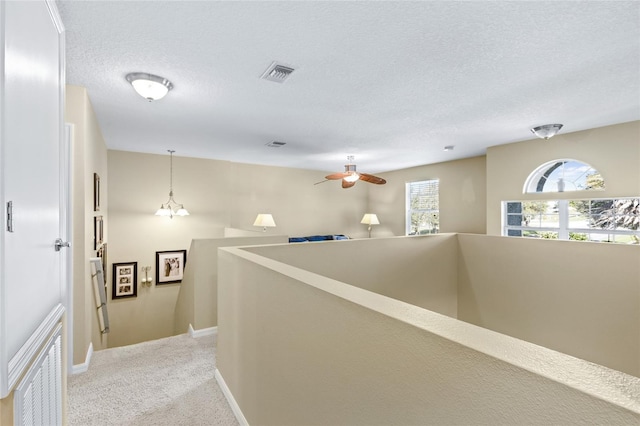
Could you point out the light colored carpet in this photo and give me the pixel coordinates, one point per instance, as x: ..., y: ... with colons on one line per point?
x: 163, y: 382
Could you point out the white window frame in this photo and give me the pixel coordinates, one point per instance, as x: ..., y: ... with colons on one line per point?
x: 563, y: 229
x: 538, y: 181
x: 409, y: 210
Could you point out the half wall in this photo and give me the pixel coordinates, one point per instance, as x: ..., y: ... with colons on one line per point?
x: 296, y: 347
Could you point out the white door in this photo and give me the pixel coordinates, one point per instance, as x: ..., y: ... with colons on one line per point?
x: 31, y: 131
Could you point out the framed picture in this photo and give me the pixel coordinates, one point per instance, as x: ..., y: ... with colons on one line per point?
x: 96, y: 192
x: 98, y: 230
x: 170, y: 266
x: 125, y: 280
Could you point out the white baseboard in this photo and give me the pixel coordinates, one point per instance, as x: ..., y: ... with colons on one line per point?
x: 232, y: 401
x: 202, y: 332
x: 82, y: 368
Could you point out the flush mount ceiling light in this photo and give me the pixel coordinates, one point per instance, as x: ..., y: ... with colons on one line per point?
x: 149, y: 86
x: 171, y: 208
x: 546, y: 131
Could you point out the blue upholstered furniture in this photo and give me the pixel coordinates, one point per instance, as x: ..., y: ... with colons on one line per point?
x: 317, y: 238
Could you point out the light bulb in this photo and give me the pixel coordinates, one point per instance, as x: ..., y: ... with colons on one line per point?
x: 352, y: 177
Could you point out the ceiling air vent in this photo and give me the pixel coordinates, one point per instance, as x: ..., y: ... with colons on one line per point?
x: 276, y: 144
x: 277, y: 72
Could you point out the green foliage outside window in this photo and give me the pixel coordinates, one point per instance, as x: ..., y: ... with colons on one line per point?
x: 423, y: 205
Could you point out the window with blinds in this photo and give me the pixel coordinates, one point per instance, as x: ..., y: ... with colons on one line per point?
x: 423, y: 207
x: 601, y: 220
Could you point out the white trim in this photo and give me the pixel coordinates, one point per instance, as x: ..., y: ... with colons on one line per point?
x: 202, y: 332
x: 21, y: 360
x: 230, y: 399
x: 51, y: 393
x: 66, y: 165
x: 82, y: 368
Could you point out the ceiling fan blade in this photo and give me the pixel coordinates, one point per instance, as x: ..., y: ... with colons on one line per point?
x: 336, y: 176
x: 372, y: 179
x: 347, y: 184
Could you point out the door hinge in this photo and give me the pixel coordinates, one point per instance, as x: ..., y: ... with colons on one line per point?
x: 10, y: 216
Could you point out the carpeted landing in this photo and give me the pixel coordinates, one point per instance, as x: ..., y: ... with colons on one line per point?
x: 163, y: 382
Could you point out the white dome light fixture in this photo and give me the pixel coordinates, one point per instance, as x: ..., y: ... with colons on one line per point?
x: 546, y: 131
x: 149, y: 86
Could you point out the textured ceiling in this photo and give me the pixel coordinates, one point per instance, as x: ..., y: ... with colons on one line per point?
x: 391, y: 83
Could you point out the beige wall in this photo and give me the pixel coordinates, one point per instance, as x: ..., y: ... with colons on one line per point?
x: 339, y: 354
x: 298, y: 206
x: 222, y: 194
x: 401, y: 269
x: 6, y: 410
x: 89, y: 157
x: 558, y: 294
x: 218, y: 194
x: 197, y: 303
x: 575, y: 297
x: 462, y: 196
x: 613, y: 150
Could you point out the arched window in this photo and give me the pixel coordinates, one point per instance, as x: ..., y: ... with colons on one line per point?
x: 563, y: 176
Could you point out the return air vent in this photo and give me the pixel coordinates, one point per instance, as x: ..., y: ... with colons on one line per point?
x: 276, y: 144
x: 277, y: 72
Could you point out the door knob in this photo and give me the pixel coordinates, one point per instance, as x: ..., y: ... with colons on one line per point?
x: 59, y: 244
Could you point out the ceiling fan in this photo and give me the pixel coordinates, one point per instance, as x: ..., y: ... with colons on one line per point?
x: 350, y: 176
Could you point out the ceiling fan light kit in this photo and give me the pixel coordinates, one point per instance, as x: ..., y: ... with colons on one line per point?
x: 350, y: 176
x: 546, y: 131
x: 149, y: 86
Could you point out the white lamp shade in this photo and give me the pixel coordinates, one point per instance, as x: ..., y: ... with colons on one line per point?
x: 370, y: 219
x: 264, y: 220
x: 163, y: 212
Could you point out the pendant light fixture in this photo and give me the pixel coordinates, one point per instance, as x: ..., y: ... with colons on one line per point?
x: 149, y: 86
x: 171, y: 208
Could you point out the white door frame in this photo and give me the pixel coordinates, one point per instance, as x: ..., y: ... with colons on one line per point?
x: 66, y: 233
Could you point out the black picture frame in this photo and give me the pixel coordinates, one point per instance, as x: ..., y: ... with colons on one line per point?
x: 170, y: 266
x: 125, y: 280
x: 96, y: 192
